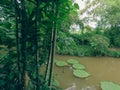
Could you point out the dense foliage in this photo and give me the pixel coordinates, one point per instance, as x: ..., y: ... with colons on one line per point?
x: 29, y: 30
x: 100, y: 41
x: 91, y: 43
x: 99, y: 44
x: 28, y: 33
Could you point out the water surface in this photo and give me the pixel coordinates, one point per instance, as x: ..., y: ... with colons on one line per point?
x: 100, y: 68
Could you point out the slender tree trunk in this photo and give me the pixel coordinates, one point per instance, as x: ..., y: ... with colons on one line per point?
x: 52, y: 57
x: 53, y: 44
x: 17, y: 42
x: 49, y: 57
x: 36, y: 45
x: 23, y: 42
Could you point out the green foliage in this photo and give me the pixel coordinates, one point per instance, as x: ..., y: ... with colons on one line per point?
x: 55, y: 83
x: 8, y: 72
x: 74, y: 44
x: 93, y: 43
x: 99, y: 44
x: 113, y: 53
x: 107, y: 85
x: 81, y: 73
x: 76, y: 5
x: 108, y: 11
x: 7, y: 29
x: 65, y: 44
x: 113, y: 35
x: 34, y: 22
x: 67, y: 14
x: 117, y: 40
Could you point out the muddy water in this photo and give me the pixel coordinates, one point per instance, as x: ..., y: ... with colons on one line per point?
x: 100, y: 68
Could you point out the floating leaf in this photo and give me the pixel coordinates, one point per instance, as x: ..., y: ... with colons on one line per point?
x: 106, y: 85
x: 72, y: 61
x: 61, y: 63
x: 80, y: 73
x: 78, y: 66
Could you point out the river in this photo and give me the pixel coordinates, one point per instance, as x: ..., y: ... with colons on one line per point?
x: 100, y: 68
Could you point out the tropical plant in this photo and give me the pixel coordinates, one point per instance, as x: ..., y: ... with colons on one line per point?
x: 29, y: 27
x: 117, y: 40
x: 99, y: 44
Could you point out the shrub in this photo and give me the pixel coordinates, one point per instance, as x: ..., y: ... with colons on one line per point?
x: 112, y: 34
x: 113, y: 53
x: 117, y: 40
x: 99, y: 44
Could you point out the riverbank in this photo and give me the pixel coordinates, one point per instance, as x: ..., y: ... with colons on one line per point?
x: 89, y: 51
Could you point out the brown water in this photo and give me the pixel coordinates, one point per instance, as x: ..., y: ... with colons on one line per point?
x: 100, y: 68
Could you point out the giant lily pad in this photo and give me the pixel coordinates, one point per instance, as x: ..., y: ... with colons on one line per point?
x: 78, y: 66
x: 61, y: 63
x: 72, y: 61
x: 106, y: 85
x: 80, y: 73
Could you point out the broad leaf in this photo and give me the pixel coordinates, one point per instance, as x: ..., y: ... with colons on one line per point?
x: 61, y: 63
x: 78, y: 66
x: 81, y: 73
x: 106, y: 85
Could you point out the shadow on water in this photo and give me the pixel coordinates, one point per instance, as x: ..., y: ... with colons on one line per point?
x: 100, y: 68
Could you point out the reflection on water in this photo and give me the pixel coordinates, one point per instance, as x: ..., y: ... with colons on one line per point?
x: 100, y: 68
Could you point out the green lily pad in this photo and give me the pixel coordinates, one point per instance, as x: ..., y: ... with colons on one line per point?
x: 72, y: 61
x: 106, y: 85
x: 80, y: 73
x: 61, y: 63
x: 78, y: 66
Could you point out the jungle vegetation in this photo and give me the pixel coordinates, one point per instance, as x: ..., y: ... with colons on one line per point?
x: 103, y: 40
x: 33, y: 31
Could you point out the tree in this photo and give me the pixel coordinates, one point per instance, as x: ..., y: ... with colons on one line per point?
x: 35, y: 26
x: 108, y: 11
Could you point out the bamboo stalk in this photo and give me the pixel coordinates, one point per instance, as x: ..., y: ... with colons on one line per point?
x: 17, y: 43
x: 53, y: 44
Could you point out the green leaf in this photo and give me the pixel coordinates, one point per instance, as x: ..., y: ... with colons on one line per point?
x: 61, y: 63
x: 55, y: 83
x: 2, y: 82
x: 78, y: 66
x: 76, y: 6
x: 106, y: 85
x: 73, y: 61
x: 80, y: 73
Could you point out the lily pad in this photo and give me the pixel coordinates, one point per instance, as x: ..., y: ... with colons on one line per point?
x: 61, y: 63
x: 72, y: 61
x: 80, y: 73
x: 78, y: 66
x: 106, y: 85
